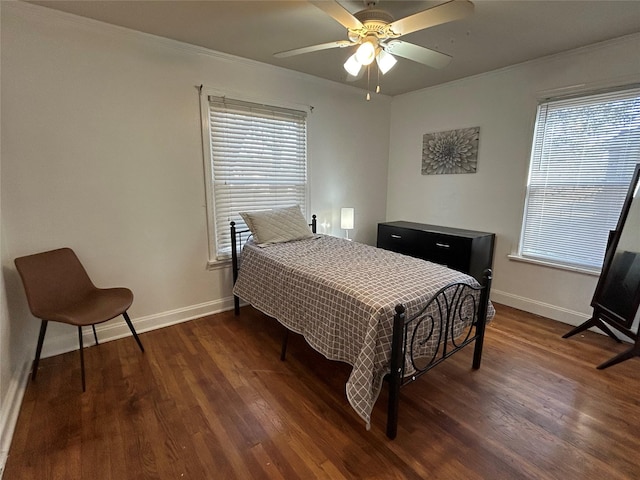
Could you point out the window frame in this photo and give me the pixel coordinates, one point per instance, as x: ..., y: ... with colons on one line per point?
x: 634, y: 89
x: 215, y: 261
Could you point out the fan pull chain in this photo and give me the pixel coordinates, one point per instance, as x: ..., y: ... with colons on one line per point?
x: 378, y: 86
x: 368, y: 82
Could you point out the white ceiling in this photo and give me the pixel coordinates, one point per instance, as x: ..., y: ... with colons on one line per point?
x: 497, y: 34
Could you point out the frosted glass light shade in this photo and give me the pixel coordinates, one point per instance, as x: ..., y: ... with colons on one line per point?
x: 366, y: 53
x: 385, y: 61
x: 347, y: 216
x: 352, y: 65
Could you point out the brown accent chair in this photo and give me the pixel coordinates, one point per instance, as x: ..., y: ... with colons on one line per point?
x: 59, y: 290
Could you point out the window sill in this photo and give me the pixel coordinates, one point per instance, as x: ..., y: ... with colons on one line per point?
x: 218, y: 264
x: 545, y: 263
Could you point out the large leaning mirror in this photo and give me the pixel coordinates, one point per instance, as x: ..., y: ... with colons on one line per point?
x: 617, y: 296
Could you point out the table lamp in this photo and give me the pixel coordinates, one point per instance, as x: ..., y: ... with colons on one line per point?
x: 347, y: 220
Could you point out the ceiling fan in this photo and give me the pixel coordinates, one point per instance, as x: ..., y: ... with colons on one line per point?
x: 376, y: 34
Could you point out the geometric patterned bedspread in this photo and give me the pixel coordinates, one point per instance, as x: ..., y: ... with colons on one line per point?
x: 340, y: 295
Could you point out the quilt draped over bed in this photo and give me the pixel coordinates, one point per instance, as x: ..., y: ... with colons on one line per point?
x: 340, y: 295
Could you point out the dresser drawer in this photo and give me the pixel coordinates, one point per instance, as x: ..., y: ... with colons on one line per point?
x: 449, y: 250
x: 397, y: 239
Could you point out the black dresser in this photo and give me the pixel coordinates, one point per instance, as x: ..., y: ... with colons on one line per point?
x: 464, y: 250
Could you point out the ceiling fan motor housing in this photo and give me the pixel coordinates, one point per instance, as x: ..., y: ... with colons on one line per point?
x: 374, y: 15
x: 375, y: 22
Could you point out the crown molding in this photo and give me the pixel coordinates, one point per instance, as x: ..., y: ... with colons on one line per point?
x: 46, y: 16
x: 631, y: 38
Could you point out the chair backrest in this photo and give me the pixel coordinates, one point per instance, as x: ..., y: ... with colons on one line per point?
x: 53, y: 280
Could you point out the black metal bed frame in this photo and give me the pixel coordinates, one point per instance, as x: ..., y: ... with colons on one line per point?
x: 441, y: 320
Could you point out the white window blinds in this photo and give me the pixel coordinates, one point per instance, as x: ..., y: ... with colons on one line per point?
x: 583, y: 156
x: 258, y: 161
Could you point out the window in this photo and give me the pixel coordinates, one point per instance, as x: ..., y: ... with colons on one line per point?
x: 583, y: 156
x: 256, y: 159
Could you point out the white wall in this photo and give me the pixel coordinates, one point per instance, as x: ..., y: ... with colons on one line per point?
x: 503, y: 104
x: 102, y: 152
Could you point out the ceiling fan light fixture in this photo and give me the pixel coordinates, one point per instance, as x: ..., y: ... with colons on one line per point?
x: 366, y: 52
x: 375, y: 33
x: 386, y: 61
x: 352, y: 65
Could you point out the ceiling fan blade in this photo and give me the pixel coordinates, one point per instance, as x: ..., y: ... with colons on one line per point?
x: 419, y: 54
x: 444, y: 13
x: 338, y: 13
x: 314, y: 48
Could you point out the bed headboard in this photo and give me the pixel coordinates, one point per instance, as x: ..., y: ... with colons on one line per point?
x: 236, y: 245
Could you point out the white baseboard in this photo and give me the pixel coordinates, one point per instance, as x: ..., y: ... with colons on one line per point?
x: 547, y: 310
x: 564, y: 315
x: 118, y: 329
x: 10, y: 410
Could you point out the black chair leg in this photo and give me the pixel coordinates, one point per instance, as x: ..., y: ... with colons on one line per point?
x: 43, y: 330
x: 81, y: 356
x: 135, y: 335
x: 95, y: 335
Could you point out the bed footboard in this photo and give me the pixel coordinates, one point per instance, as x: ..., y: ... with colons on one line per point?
x: 454, y: 317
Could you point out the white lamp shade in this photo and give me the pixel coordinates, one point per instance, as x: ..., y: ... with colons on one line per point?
x: 385, y: 61
x: 366, y: 52
x: 347, y: 218
x: 352, y: 66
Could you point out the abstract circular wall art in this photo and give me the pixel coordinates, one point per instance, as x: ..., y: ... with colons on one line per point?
x: 453, y: 151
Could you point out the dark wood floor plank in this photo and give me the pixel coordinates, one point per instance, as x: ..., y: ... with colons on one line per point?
x: 210, y: 399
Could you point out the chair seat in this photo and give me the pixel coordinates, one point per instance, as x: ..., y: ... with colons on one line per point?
x: 98, y: 306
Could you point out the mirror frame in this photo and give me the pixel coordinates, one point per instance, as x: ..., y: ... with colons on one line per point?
x: 612, y: 317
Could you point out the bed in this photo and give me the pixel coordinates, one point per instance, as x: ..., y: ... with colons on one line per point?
x: 385, y: 314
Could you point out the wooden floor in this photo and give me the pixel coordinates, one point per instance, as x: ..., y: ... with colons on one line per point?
x: 210, y: 399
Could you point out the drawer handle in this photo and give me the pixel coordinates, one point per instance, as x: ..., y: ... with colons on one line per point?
x: 395, y: 236
x: 442, y: 245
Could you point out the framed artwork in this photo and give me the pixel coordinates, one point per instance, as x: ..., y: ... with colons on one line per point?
x: 453, y: 151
